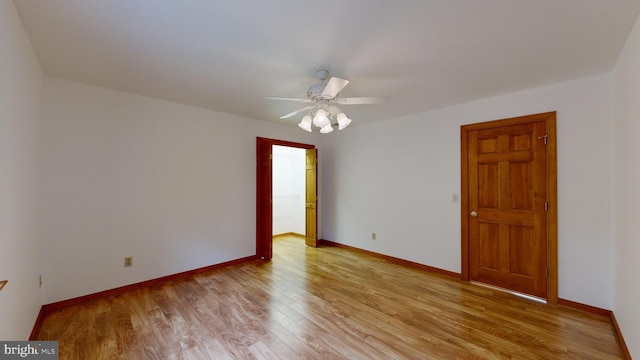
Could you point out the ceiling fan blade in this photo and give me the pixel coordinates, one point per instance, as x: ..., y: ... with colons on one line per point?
x: 362, y: 100
x: 286, y: 99
x: 295, y: 112
x: 333, y: 87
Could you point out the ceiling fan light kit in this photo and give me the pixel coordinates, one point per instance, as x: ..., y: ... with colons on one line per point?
x: 323, y: 114
x: 322, y: 118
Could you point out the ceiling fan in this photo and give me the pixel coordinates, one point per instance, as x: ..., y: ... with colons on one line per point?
x: 324, y: 97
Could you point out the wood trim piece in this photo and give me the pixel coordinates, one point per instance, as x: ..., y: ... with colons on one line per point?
x: 48, y: 308
x: 38, y: 324
x: 584, y: 307
x: 288, y: 234
x: 602, y: 312
x: 264, y: 207
x: 552, y: 213
x: 464, y: 204
x: 286, y: 143
x: 616, y: 330
x: 393, y: 259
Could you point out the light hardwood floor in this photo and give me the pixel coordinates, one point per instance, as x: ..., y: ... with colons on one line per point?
x: 325, y: 303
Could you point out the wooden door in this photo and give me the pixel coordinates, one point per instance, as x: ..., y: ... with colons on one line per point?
x: 264, y: 203
x: 507, y: 203
x: 264, y: 194
x: 311, y: 222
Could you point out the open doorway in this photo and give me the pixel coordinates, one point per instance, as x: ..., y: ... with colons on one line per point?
x: 288, y: 190
x: 264, y: 194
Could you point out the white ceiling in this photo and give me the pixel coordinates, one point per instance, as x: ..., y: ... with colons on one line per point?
x: 227, y: 55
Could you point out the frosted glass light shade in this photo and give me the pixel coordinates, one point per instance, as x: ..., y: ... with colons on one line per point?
x: 320, y: 119
x: 305, y: 124
x: 326, y: 129
x: 343, y: 121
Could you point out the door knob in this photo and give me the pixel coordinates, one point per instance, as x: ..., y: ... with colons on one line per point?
x: 474, y: 213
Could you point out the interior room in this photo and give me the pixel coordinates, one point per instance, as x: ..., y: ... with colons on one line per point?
x: 128, y: 129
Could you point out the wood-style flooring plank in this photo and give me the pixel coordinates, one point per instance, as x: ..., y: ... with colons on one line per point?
x: 324, y: 303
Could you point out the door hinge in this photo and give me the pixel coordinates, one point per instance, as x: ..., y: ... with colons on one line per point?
x: 546, y: 206
x: 271, y: 155
x: 545, y: 137
x: 546, y: 272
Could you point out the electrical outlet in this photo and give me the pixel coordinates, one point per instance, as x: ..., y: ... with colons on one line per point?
x: 128, y: 261
x: 373, y: 236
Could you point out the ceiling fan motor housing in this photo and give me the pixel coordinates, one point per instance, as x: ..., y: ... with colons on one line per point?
x: 315, y: 92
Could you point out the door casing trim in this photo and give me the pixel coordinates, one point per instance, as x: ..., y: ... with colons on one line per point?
x: 260, y: 218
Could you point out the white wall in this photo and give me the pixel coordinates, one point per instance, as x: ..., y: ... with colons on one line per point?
x: 20, y: 93
x: 125, y: 175
x: 626, y: 89
x: 288, y: 190
x: 398, y: 177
